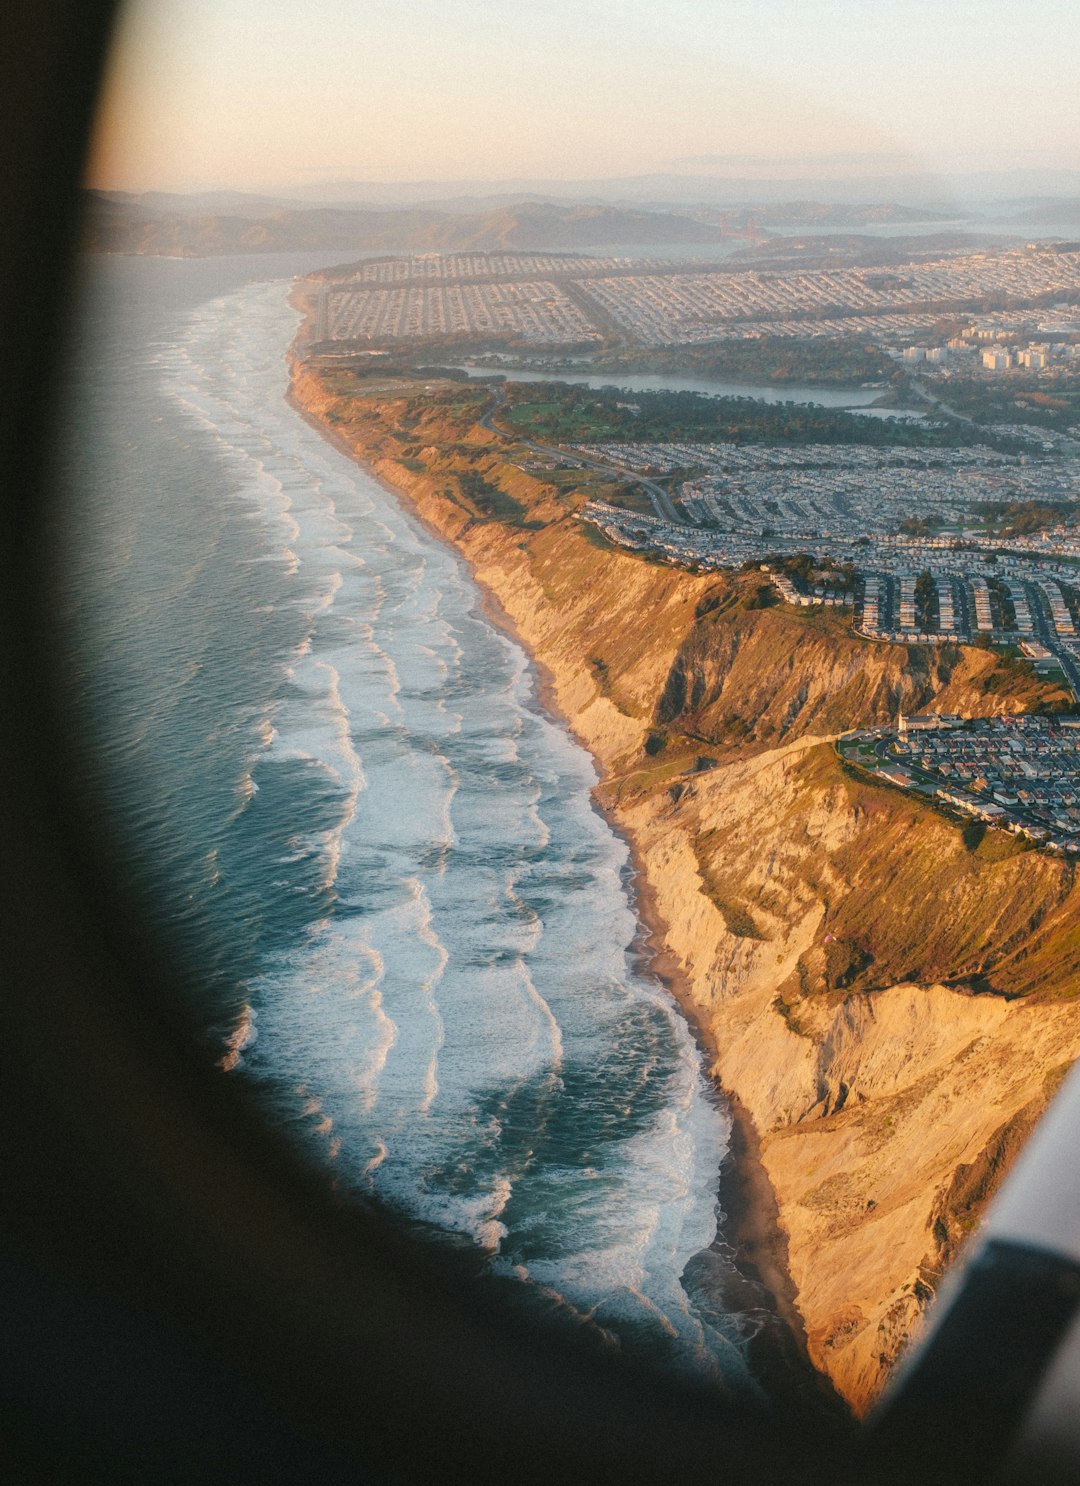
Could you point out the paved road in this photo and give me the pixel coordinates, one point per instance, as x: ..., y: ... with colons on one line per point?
x: 1045, y: 631
x: 920, y: 389
x: 881, y: 749
x: 662, y: 503
x: 963, y: 605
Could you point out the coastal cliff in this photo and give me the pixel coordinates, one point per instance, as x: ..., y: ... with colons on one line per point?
x: 888, y: 994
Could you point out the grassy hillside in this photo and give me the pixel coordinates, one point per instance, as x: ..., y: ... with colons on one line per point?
x: 906, y: 894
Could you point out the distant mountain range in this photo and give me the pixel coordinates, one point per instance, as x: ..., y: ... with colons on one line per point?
x: 366, y: 217
x: 230, y: 222
x: 1065, y: 211
x: 130, y: 227
x: 953, y: 192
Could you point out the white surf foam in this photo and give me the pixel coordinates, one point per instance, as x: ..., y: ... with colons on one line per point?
x: 479, y: 950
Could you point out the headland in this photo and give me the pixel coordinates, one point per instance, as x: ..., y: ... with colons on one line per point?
x: 886, y: 995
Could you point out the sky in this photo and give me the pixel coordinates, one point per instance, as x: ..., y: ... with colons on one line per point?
x: 267, y: 95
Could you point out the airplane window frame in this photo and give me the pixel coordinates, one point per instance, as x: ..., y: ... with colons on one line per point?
x: 156, y: 1232
x: 163, y: 1250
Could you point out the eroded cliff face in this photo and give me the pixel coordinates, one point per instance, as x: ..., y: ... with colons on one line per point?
x: 885, y: 1115
x: 889, y: 995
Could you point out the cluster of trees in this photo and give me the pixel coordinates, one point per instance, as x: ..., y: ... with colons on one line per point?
x: 1019, y: 518
x: 809, y: 571
x: 1016, y: 399
x: 926, y: 600
x: 482, y: 493
x: 925, y: 586
x: 568, y: 413
x: 836, y: 363
x: 919, y: 526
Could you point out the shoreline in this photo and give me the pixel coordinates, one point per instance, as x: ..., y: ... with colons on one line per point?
x: 871, y: 1191
x: 753, y: 1243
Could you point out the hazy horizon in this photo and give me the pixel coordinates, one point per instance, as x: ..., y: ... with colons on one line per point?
x: 263, y: 100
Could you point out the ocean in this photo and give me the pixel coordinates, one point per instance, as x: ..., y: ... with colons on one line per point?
x: 344, y: 803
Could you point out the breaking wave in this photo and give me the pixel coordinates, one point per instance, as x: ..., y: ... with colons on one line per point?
x: 396, y: 853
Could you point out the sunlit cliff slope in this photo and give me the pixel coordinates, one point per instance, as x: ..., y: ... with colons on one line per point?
x: 890, y: 994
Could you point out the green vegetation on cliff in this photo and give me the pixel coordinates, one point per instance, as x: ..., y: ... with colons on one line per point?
x: 912, y: 895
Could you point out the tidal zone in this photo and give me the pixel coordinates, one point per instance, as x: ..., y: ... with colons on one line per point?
x: 417, y: 933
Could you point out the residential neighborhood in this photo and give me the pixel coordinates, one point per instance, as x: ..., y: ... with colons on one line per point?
x: 1021, y: 774
x: 654, y: 302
